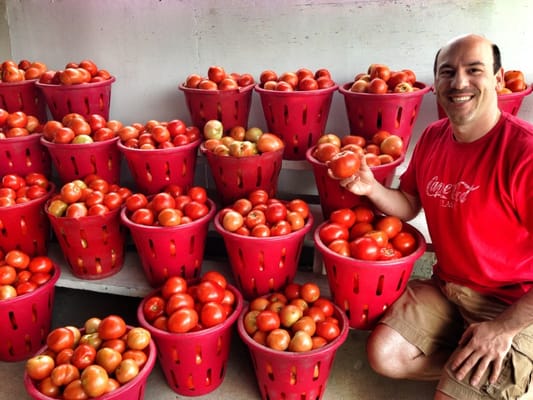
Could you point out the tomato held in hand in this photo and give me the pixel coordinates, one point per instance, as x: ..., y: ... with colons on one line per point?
x: 344, y: 164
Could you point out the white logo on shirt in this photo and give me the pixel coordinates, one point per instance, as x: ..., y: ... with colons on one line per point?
x: 449, y: 193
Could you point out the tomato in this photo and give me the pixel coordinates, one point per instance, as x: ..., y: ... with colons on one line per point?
x: 289, y: 314
x: 380, y: 237
x: 296, y: 220
x: 389, y: 253
x: 64, y: 356
x: 364, y: 248
x: 216, y: 277
x: 17, y: 119
x: 7, y: 292
x: 377, y: 86
x: 111, y: 327
x: 300, y: 206
x: 169, y: 217
x: 108, y: 358
x: 332, y: 231
x: 278, y: 339
x: 92, y: 339
x: 306, y: 324
x: 40, y: 278
x: 177, y: 301
x: 74, y: 391
x: 59, y: 339
x: 174, y: 284
x: 343, y: 216
x: 275, y: 212
x: 243, y: 206
x: 17, y: 259
x: 310, y: 292
x: 143, y: 216
x: 268, y: 142
x: 126, y: 371
x: 328, y: 330
x: 195, y: 210
x: 138, y: 338
x: 363, y: 214
x: 182, y: 320
x: 8, y: 274
x: 83, y: 356
x: 232, y: 220
x: 118, y: 345
x: 40, y: 366
x: 392, y: 145
x: 91, y: 325
x: 208, y: 290
x: 76, y: 210
x: 300, y: 342
x: 63, y: 374
x: 25, y: 287
x: 325, y: 305
x: 344, y: 164
x: 153, y: 307
x: 47, y: 388
x: 281, y: 228
x: 162, y: 200
x: 404, y: 242
x: 324, y: 152
x: 139, y: 356
x: 212, y: 314
x: 267, y: 320
x: 70, y: 192
x: 389, y: 224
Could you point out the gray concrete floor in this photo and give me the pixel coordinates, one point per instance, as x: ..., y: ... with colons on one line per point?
x: 350, y: 376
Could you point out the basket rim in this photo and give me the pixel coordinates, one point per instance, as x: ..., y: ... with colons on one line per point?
x: 331, y: 346
x: 424, y: 88
x: 421, y: 248
x: 300, y: 232
x: 100, y: 143
x: 24, y: 82
x: 143, y: 374
x: 34, y: 136
x: 513, y: 95
x: 240, y: 89
x: 239, y: 305
x: 303, y: 93
x: 126, y: 149
x: 314, y: 161
x: 85, y: 85
x: 157, y: 228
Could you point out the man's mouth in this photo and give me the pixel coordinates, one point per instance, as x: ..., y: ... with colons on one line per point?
x: 460, y: 99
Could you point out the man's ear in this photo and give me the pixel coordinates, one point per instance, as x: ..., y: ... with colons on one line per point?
x: 500, y: 82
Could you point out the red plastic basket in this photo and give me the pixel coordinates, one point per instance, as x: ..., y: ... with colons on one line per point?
x: 194, y: 363
x: 290, y: 375
x: 132, y: 390
x: 333, y: 196
x: 26, y: 321
x: 394, y: 112
x: 510, y: 102
x: 364, y: 289
x: 153, y: 170
x: 262, y: 265
x: 172, y: 250
x: 23, y: 96
x: 298, y: 117
x: 76, y: 161
x: 93, y: 246
x: 25, y: 226
x: 84, y: 99
x: 24, y: 154
x: 236, y: 177
x: 231, y: 107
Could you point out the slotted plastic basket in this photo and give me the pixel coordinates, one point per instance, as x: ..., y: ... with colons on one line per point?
x: 194, y: 363
x: 171, y: 250
x: 231, y: 107
x: 298, y: 117
x: 365, y: 289
x: 23, y: 96
x: 24, y: 154
x: 84, y: 99
x: 26, y: 321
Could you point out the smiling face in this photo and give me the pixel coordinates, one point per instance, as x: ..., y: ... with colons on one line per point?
x: 466, y: 86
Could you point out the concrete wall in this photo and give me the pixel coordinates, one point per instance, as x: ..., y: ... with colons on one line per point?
x: 152, y: 45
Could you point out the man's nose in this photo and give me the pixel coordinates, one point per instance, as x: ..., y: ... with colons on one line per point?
x: 460, y: 80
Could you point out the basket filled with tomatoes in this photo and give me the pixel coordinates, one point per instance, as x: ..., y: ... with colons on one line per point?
x: 219, y: 95
x: 23, y: 222
x: 263, y: 237
x: 20, y: 147
x: 27, y: 294
x: 169, y: 230
x: 510, y: 96
x: 18, y: 91
x: 105, y: 359
x: 160, y: 153
x: 81, y: 146
x: 334, y: 158
x: 296, y: 106
x: 242, y: 160
x: 85, y: 217
x: 382, y: 98
x: 81, y: 88
x: 292, y: 336
x: 192, y: 326
x: 368, y: 259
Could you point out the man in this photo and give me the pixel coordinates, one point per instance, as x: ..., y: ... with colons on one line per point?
x: 470, y: 325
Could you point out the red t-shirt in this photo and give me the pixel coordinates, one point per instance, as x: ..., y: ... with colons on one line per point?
x: 478, y: 201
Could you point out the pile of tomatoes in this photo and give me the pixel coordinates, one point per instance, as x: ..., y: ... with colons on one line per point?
x: 158, y: 134
x: 86, y: 71
x: 16, y: 189
x: 360, y: 233
x: 179, y: 307
x: 76, y: 129
x: 380, y: 79
x: 260, y: 215
x: 89, y: 362
x: 343, y: 154
x: 514, y: 81
x: 11, y: 71
x: 90, y: 196
x: 17, y: 124
x: 21, y: 274
x: 296, y: 319
x: 218, y: 79
x: 239, y: 141
x: 301, y: 79
x: 171, y: 207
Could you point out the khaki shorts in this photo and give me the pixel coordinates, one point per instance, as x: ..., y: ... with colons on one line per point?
x: 432, y: 315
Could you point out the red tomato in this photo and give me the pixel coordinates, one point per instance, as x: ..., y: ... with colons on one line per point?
x: 8, y: 274
x: 275, y: 212
x: 344, y: 164
x: 153, y: 307
x: 340, y: 246
x: 174, y: 284
x: 40, y: 366
x: 269, y: 142
x: 404, y: 242
x: 177, y: 301
x: 143, y: 216
x: 232, y: 220
x: 216, y: 277
x: 343, y: 216
x: 310, y: 292
x: 325, y: 305
x: 392, y: 145
x: 138, y: 338
x: 258, y: 196
x: 389, y: 224
x: 324, y: 152
x: 182, y: 320
x: 111, y: 327
x: 267, y: 320
x: 363, y: 214
x: 59, y: 339
x: 242, y: 205
x: 278, y: 339
x: 212, y: 314
x: 295, y: 220
x: 208, y: 290
x: 17, y: 119
x: 17, y: 259
x: 162, y: 200
x: 260, y: 230
x: 216, y: 73
x: 195, y: 209
x: 126, y: 371
x: 281, y: 228
x: 328, y: 330
x: 364, y: 248
x: 83, y: 356
x: 377, y: 86
x: 169, y: 217
x: 380, y: 237
x: 70, y: 192
x: 300, y: 206
x: 332, y: 231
